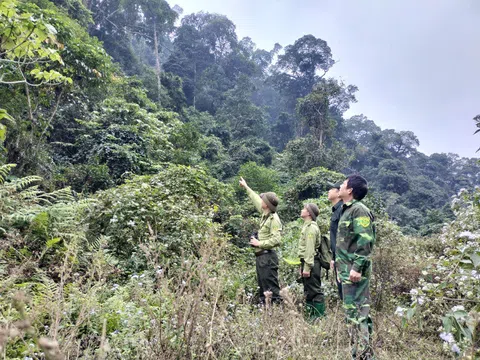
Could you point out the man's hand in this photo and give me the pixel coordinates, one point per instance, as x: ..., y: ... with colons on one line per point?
x: 306, y: 274
x: 355, y: 276
x: 243, y: 183
x: 254, y: 242
x: 332, y: 265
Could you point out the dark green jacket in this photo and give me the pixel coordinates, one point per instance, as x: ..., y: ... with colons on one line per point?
x: 355, y: 239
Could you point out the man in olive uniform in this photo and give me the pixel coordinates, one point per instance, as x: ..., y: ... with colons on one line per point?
x: 355, y: 241
x: 269, y: 236
x: 310, y: 269
x: 337, y: 207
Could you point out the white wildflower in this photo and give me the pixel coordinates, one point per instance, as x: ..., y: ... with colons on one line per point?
x: 400, y: 311
x: 455, y: 348
x: 131, y: 223
x: 414, y: 292
x: 458, y: 308
x: 447, y: 337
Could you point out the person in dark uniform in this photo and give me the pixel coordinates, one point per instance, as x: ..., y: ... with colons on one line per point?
x: 337, y: 205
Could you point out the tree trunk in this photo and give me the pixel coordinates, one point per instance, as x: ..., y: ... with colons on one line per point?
x: 194, y: 85
x: 157, y: 62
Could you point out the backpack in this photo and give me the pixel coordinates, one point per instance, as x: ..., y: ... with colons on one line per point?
x: 324, y: 252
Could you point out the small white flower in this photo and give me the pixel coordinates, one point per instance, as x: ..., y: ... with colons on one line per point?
x: 458, y: 308
x: 455, y: 348
x: 131, y: 223
x: 400, y: 311
x: 140, y: 284
x: 447, y: 337
x: 114, y: 219
x: 421, y: 300
x: 414, y: 292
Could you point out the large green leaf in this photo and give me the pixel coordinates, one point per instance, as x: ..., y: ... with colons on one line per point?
x: 475, y: 259
x: 3, y: 132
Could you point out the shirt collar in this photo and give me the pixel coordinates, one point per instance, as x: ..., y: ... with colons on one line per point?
x: 337, y: 205
x: 350, y: 203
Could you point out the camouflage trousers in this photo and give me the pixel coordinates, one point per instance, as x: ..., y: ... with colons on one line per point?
x: 356, y: 303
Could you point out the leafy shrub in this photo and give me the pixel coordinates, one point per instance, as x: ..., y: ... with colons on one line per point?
x: 448, y: 288
x: 172, y: 209
x: 311, y: 185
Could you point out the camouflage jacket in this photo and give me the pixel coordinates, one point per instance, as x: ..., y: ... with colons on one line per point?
x: 355, y: 239
x: 308, y: 244
x: 269, y: 233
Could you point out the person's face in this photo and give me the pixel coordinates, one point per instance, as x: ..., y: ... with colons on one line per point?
x: 344, y: 191
x: 333, y: 194
x: 304, y: 213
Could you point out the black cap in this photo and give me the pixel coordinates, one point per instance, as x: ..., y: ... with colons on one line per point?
x: 335, y: 185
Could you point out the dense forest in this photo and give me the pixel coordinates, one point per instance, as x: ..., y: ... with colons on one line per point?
x: 124, y: 127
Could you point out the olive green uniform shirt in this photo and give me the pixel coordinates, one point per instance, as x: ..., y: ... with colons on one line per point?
x: 269, y: 234
x: 308, y: 244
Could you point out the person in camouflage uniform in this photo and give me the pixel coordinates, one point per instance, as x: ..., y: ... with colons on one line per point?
x: 355, y: 241
x: 310, y: 268
x: 267, y: 240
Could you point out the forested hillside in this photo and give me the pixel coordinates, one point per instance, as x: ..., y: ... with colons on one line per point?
x: 123, y: 132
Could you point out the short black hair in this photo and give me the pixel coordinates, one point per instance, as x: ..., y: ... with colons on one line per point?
x: 359, y: 186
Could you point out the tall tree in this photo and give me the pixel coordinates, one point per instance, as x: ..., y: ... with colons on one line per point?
x: 315, y: 108
x: 301, y: 66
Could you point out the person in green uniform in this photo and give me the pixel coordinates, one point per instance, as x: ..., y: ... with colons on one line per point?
x: 310, y: 269
x: 355, y: 241
x: 268, y: 239
x: 337, y: 207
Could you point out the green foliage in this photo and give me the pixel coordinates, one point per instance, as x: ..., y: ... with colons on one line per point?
x: 315, y: 109
x: 312, y: 185
x: 259, y: 178
x: 26, y: 35
x: 126, y: 138
x: 448, y: 287
x: 173, y: 210
x: 304, y: 154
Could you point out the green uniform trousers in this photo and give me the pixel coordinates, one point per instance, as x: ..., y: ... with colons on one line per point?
x: 267, y: 275
x: 312, y: 286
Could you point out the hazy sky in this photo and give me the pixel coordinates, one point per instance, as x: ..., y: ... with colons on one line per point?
x: 416, y: 62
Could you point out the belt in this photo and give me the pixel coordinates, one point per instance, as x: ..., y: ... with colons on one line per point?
x: 263, y: 252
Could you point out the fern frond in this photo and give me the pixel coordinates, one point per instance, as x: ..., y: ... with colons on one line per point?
x: 26, y: 182
x: 5, y: 170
